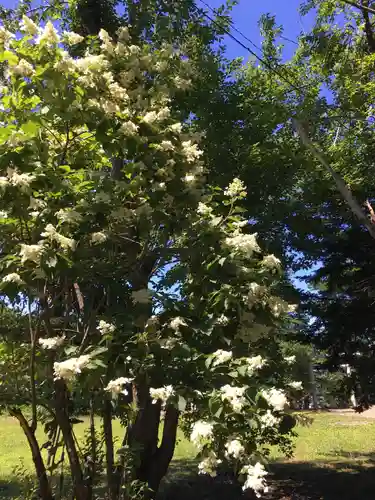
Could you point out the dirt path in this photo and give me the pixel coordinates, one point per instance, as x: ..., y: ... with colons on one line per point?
x: 370, y: 413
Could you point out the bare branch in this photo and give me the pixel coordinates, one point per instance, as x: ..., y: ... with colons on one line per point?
x: 340, y: 183
x: 359, y: 6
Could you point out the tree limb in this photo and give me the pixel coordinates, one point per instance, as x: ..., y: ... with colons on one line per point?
x: 359, y: 6
x: 340, y: 183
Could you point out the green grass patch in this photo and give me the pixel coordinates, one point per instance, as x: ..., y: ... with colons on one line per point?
x: 332, y: 456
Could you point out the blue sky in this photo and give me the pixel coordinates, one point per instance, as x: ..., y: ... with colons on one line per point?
x: 247, y: 13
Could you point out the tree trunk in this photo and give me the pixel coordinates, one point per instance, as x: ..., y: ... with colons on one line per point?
x: 164, y: 454
x: 81, y: 490
x: 112, y: 489
x: 44, y: 486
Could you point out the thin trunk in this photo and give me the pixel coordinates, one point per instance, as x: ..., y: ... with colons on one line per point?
x: 108, y: 438
x: 44, y: 486
x: 164, y: 454
x: 81, y: 490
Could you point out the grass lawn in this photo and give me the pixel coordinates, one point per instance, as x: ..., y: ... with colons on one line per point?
x: 333, y: 460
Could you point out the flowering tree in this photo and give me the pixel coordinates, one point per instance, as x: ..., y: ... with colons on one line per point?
x: 145, y: 295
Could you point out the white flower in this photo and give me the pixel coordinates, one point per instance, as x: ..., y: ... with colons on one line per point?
x: 48, y: 35
x: 117, y: 386
x: 201, y: 431
x: 72, y: 38
x: 123, y: 34
x: 51, y: 234
x: 150, y: 117
x: 268, y: 419
x: 69, y: 216
x: 3, y: 214
x: 176, y: 127
x: 92, y: 63
x: 271, y: 262
x: 255, y: 363
x: 278, y: 306
x: 106, y: 328
x: 290, y: 360
x: 167, y: 343
x: 245, y: 243
x: 4, y: 182
x: 235, y: 188
x: 5, y: 36
x: 118, y: 93
x: 29, y: 26
x: 209, y: 465
x: 129, y: 128
x: 275, y: 398
x: 222, y: 320
x: 234, y: 395
x: 36, y: 204
x: 67, y: 370
x: 255, y: 478
x: 142, y: 296
x: 191, y: 151
x: 166, y: 146
x: 221, y: 356
x: 31, y: 252
x: 13, y: 278
x: 51, y: 262
x: 297, y: 385
x: 23, y: 181
x: 189, y: 178
x: 98, y: 238
x: 256, y: 289
x: 51, y: 343
x: 204, y: 209
x: 177, y: 322
x: 152, y: 322
x: 181, y: 83
x: 162, y: 393
x: 234, y: 448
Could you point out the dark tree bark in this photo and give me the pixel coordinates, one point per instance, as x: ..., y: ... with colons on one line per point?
x: 80, y: 488
x: 44, y: 486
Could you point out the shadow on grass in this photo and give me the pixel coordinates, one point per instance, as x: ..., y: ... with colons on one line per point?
x: 288, y: 481
x: 351, y: 480
x: 10, y: 489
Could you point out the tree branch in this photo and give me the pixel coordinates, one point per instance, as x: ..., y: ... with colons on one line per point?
x: 359, y: 6
x: 340, y: 183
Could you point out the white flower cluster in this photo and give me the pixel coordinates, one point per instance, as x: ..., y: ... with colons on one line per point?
x: 235, y: 188
x: 177, y: 322
x: 72, y: 38
x: 13, y: 278
x: 268, y: 419
x: 209, y: 465
x: 67, y: 370
x: 52, y: 342
x: 290, y: 359
x: 116, y: 386
x: 51, y: 234
x: 275, y: 398
x: 234, y: 449
x: 201, y: 432
x: 234, y: 395
x: 255, y: 363
x: 161, y: 393
x: 244, y: 243
x: 191, y: 151
x: 221, y: 356
x: 23, y: 68
x: 271, y: 262
x: 297, y: 385
x: 98, y: 238
x: 255, y: 478
x: 48, y: 35
x: 69, y: 216
x: 222, y: 320
x: 106, y: 328
x: 32, y: 253
x: 204, y: 209
x: 22, y: 181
